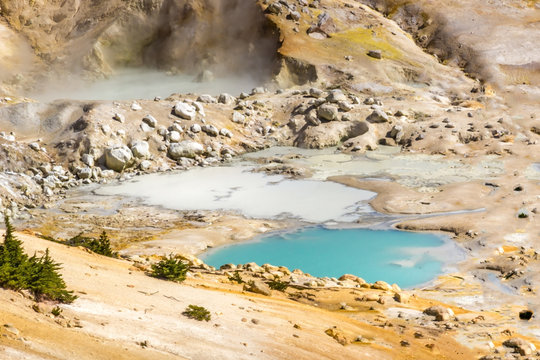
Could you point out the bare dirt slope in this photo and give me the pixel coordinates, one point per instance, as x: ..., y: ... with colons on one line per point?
x: 119, y: 307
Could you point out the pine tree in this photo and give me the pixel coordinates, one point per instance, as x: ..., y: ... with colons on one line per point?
x: 102, y: 245
x: 13, y: 260
x: 44, y: 280
x: 171, y: 269
x: 39, y: 275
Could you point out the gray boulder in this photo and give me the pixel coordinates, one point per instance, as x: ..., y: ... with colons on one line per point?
x: 377, y: 116
x: 118, y: 157
x: 397, y: 133
x: 207, y: 99
x: 238, y: 118
x: 316, y: 93
x: 226, y: 99
x: 185, y: 111
x: 312, y: 119
x: 145, y: 165
x: 140, y: 149
x: 176, y: 127
x: 226, y: 133
x: 376, y: 54
x: 274, y: 8
x: 85, y: 173
x: 258, y: 287
x: 174, y: 136
x: 119, y: 117
x: 345, y: 106
x: 210, y: 130
x: 520, y: 346
x: 88, y: 159
x: 187, y: 149
x: 328, y: 112
x: 336, y: 96
x: 441, y: 313
x: 195, y: 128
x: 150, y: 121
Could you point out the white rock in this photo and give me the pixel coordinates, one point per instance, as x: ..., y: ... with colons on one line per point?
x: 226, y: 99
x: 105, y: 129
x: 162, y: 131
x: 195, y: 128
x: 187, y: 148
x: 238, y: 118
x: 174, y: 136
x: 210, y: 130
x: 198, y: 106
x: 135, y: 106
x: 88, y: 160
x: 207, y: 99
x: 58, y: 170
x: 345, y: 106
x: 150, y: 120
x: 316, y: 93
x: 47, y: 191
x: 336, y: 96
x: 328, y: 112
x: 145, y: 128
x: 140, y: 149
x: 226, y: 133
x: 119, y: 117
x: 185, y: 111
x: 107, y: 174
x: 84, y: 173
x: 176, y: 127
x: 118, y: 157
x: 145, y: 165
x: 377, y: 116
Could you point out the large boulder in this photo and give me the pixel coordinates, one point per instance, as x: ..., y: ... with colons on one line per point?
x: 238, y: 118
x: 150, y: 121
x: 118, y: 157
x: 187, y: 149
x: 210, y: 130
x: 338, y: 335
x: 207, y: 99
x: 520, y: 346
x: 440, y: 312
x: 174, y: 136
x: 226, y: 99
x: 381, y: 285
x: 378, y: 116
x: 336, y: 96
x: 274, y: 8
x: 328, y: 112
x: 185, y: 111
x: 88, y: 160
x: 330, y: 134
x: 140, y: 149
x: 312, y: 119
x: 84, y: 173
x: 258, y: 287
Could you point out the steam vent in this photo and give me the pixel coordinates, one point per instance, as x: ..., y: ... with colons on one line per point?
x: 269, y: 179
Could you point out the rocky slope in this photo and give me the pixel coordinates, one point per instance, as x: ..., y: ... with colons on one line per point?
x: 151, y: 324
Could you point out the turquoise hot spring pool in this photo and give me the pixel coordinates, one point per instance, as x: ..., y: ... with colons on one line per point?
x: 405, y: 258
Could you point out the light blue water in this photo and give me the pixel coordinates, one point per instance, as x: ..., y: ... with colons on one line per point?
x: 404, y: 258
